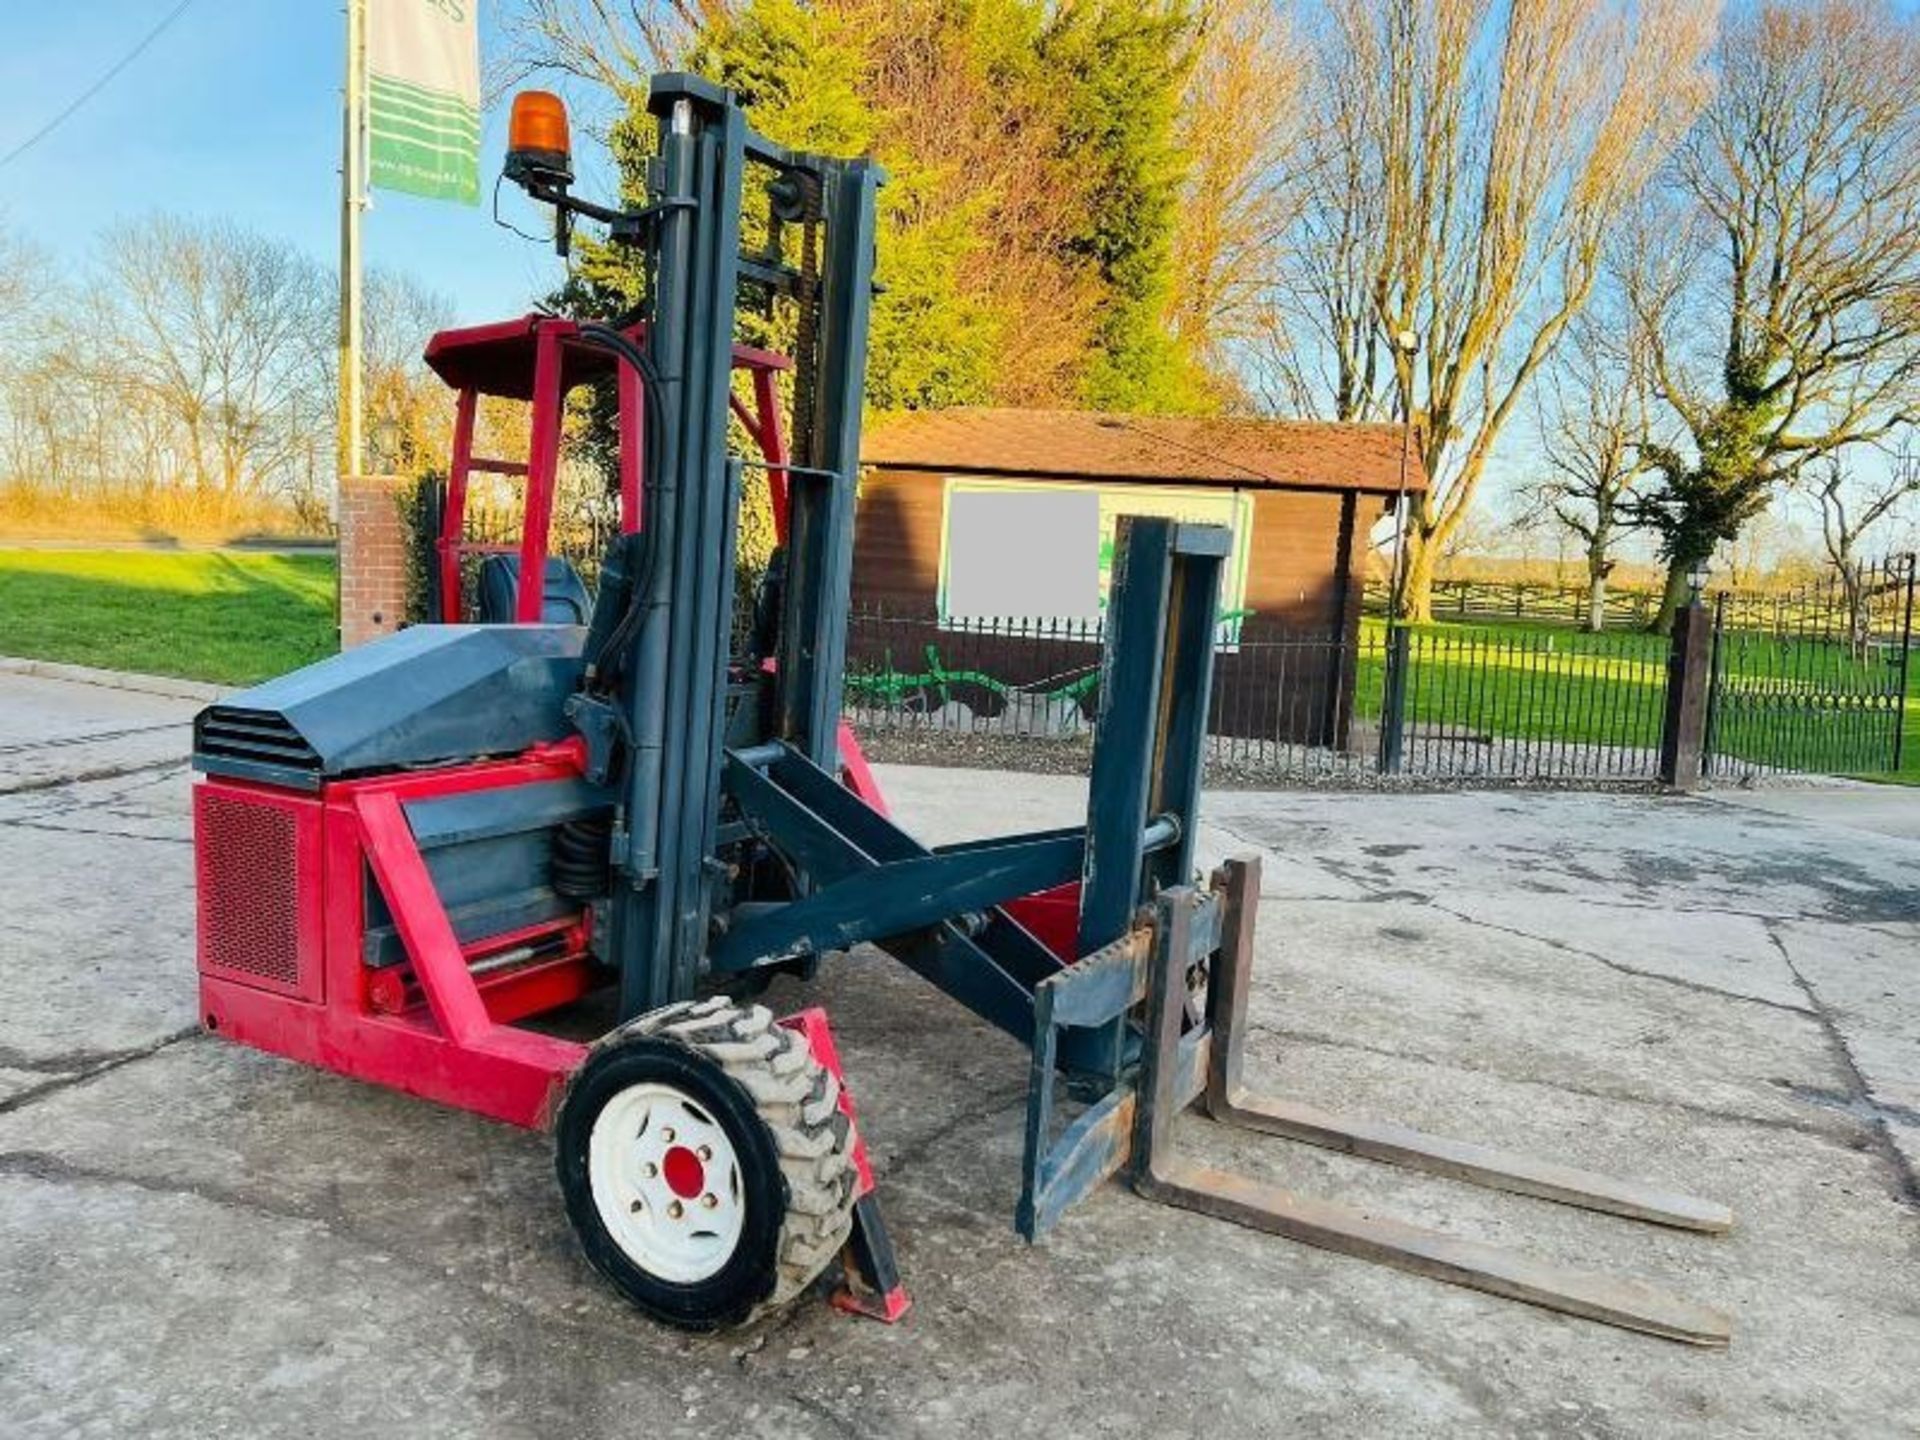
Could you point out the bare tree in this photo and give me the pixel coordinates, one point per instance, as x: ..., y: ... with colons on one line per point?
x: 225, y: 334
x: 611, y: 43
x: 406, y: 403
x: 1783, y: 293
x: 1593, y: 420
x: 1852, y: 503
x: 24, y: 276
x: 1319, y: 345
x: 1503, y: 141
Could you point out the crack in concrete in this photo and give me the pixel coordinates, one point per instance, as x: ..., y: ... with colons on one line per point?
x: 107, y: 1065
x: 820, y: 1410
x: 55, y: 804
x: 1861, y: 1108
x: 1872, y: 1116
x: 916, y: 1150
x: 71, y: 1061
x: 50, y: 829
x: 51, y: 1169
x: 24, y: 747
x: 1906, y: 1186
x: 1378, y: 894
x: 54, y: 1169
x: 79, y: 777
x: 1694, y: 986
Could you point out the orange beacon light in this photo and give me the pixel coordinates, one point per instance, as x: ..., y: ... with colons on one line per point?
x: 539, y: 151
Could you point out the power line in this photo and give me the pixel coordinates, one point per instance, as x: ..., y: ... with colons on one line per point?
x: 94, y: 89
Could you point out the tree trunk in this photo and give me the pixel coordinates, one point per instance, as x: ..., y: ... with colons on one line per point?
x: 1416, y: 602
x: 1854, y: 592
x: 1597, y: 570
x: 1674, y: 596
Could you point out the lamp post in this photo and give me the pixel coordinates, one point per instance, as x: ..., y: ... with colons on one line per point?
x: 1393, y: 700
x: 1407, y: 343
x: 385, y: 440
x: 1697, y: 578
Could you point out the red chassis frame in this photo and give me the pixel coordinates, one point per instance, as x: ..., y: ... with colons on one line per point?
x: 441, y: 1026
x: 432, y: 1027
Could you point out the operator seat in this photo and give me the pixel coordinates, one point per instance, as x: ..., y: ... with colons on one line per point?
x: 564, y: 599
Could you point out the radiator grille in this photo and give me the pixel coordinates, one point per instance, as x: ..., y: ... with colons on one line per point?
x: 262, y: 737
x: 248, y: 857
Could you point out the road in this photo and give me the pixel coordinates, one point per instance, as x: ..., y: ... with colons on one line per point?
x: 202, y: 1241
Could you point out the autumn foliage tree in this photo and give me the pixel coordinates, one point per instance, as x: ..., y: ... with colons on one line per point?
x: 1037, y: 173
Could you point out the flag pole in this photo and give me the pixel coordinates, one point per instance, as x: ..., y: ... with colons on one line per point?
x: 353, y: 202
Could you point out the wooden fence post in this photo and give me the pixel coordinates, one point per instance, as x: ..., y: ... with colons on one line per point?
x: 1683, y: 734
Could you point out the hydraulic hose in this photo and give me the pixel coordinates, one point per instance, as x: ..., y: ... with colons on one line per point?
x: 604, y: 664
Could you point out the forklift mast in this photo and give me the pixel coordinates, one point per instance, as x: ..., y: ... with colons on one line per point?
x: 671, y: 704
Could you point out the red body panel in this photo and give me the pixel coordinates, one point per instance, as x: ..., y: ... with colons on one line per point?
x: 447, y: 1033
x: 1053, y: 917
x: 856, y: 774
x: 434, y: 1027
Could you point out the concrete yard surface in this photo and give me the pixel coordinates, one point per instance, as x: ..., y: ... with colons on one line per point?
x: 204, y: 1241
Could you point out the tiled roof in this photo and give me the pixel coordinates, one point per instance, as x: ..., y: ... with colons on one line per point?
x: 1255, y: 454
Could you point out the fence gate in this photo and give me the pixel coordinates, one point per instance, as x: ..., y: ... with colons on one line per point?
x: 1813, y: 680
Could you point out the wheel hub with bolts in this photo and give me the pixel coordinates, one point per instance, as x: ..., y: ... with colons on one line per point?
x: 706, y: 1162
x: 666, y: 1181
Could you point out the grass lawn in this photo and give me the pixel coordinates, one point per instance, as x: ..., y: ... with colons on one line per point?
x: 225, y: 616
x: 1539, y: 682
x: 1909, y: 771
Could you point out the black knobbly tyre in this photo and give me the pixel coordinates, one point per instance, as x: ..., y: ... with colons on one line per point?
x: 705, y: 1163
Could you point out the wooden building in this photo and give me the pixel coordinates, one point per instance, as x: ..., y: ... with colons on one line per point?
x: 991, y: 519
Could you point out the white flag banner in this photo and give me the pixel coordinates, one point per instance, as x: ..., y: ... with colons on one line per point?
x: 423, y: 97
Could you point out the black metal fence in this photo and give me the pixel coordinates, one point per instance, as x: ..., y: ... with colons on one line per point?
x: 1523, y: 704
x: 1802, y: 682
x: 1813, y: 680
x: 1475, y: 703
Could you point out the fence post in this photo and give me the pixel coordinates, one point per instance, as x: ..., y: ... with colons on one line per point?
x: 1683, y: 732
x: 1909, y: 565
x: 429, y: 511
x: 1393, y: 699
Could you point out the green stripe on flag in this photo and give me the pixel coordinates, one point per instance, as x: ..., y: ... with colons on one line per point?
x: 440, y: 115
x: 461, y: 118
x: 421, y: 141
x: 413, y: 106
x: 423, y: 92
x: 402, y: 127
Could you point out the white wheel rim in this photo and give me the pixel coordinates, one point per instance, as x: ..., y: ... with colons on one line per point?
x: 666, y: 1181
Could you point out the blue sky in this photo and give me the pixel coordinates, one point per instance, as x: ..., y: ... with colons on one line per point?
x: 234, y: 111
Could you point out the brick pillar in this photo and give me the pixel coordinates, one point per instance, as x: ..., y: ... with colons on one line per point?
x: 373, y: 559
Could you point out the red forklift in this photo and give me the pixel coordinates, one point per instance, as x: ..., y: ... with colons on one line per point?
x: 421, y: 863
